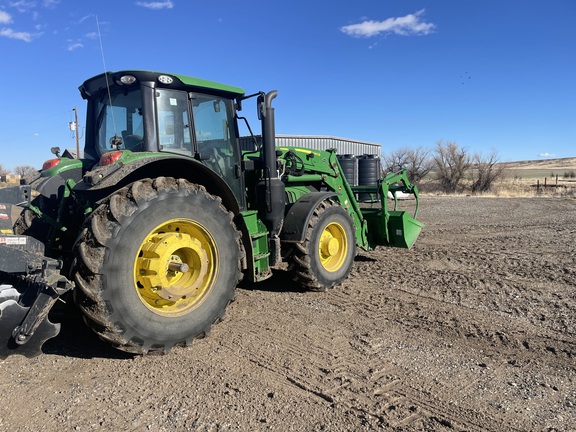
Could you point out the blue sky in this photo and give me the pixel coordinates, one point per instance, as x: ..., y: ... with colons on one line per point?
x: 487, y: 74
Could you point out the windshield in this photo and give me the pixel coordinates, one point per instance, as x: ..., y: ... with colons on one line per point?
x: 119, y: 122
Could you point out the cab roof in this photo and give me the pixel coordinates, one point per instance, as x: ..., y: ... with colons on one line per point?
x: 95, y: 85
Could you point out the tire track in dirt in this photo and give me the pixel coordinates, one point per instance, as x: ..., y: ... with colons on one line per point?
x: 346, y: 369
x: 458, y: 297
x: 402, y: 401
x: 466, y: 312
x: 486, y: 293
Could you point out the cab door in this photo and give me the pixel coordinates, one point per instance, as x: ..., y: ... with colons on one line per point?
x: 215, y: 138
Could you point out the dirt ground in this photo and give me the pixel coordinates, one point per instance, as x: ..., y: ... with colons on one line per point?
x: 471, y: 330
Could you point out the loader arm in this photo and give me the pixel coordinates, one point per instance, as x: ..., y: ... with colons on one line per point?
x: 375, y: 226
x: 306, y: 170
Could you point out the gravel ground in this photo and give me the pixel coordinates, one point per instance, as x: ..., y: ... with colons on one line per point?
x: 471, y: 330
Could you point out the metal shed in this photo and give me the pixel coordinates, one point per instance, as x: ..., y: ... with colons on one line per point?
x: 342, y: 145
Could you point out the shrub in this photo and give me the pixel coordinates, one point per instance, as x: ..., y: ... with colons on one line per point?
x: 487, y: 170
x: 450, y: 165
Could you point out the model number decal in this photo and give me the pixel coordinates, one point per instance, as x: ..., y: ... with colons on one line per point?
x: 13, y: 240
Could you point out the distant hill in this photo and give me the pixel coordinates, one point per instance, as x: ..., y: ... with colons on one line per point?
x: 547, y: 164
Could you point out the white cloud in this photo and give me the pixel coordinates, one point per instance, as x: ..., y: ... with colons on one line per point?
x: 11, y: 34
x: 23, y: 5
x: 5, y: 18
x: 157, y: 5
x: 410, y: 24
x: 28, y: 7
x: 84, y: 18
x: 547, y: 155
x: 73, y: 46
x: 92, y: 35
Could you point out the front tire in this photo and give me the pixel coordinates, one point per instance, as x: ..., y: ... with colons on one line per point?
x: 157, y: 264
x: 326, y: 256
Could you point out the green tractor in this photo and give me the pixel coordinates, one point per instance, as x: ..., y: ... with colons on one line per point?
x: 154, y: 227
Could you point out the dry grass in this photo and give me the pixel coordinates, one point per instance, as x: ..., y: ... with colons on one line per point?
x: 524, y: 179
x: 509, y: 187
x: 527, y: 188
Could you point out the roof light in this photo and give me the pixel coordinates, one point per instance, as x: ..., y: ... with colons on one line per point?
x: 165, y: 79
x: 128, y: 79
x: 50, y: 163
x: 110, y: 158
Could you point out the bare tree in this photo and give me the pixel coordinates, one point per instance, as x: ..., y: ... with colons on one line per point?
x: 450, y: 165
x: 24, y: 170
x: 419, y: 164
x: 486, y: 171
x: 395, y: 160
x: 4, y: 171
x: 416, y: 162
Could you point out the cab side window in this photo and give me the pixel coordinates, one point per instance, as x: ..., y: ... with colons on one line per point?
x: 173, y: 122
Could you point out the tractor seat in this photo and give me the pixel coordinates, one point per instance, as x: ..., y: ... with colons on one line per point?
x: 133, y: 143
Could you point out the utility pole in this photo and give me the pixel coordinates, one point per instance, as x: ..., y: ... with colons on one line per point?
x: 74, y: 128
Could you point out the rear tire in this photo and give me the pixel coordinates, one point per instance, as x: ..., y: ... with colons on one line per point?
x: 28, y: 223
x: 128, y: 294
x: 326, y: 256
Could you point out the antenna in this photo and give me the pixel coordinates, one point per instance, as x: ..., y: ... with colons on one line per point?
x: 106, y: 75
x: 74, y: 128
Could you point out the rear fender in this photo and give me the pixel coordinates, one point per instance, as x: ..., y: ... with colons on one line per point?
x: 51, y: 187
x: 298, y: 216
x: 104, y: 181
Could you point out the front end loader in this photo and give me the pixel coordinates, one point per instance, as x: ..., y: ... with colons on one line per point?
x: 153, y: 229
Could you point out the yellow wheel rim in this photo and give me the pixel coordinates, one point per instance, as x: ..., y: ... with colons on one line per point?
x: 175, y: 267
x: 333, y: 247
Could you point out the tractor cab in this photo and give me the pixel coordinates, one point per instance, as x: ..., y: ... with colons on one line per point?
x: 152, y: 112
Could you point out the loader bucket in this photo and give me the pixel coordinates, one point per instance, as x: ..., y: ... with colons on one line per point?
x: 403, y: 229
x: 396, y: 228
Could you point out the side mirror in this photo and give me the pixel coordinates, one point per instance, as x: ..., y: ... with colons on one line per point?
x: 260, y: 107
x: 55, y: 151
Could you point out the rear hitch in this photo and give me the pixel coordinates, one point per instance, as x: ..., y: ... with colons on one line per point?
x: 24, y: 329
x: 54, y: 286
x: 31, y: 285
